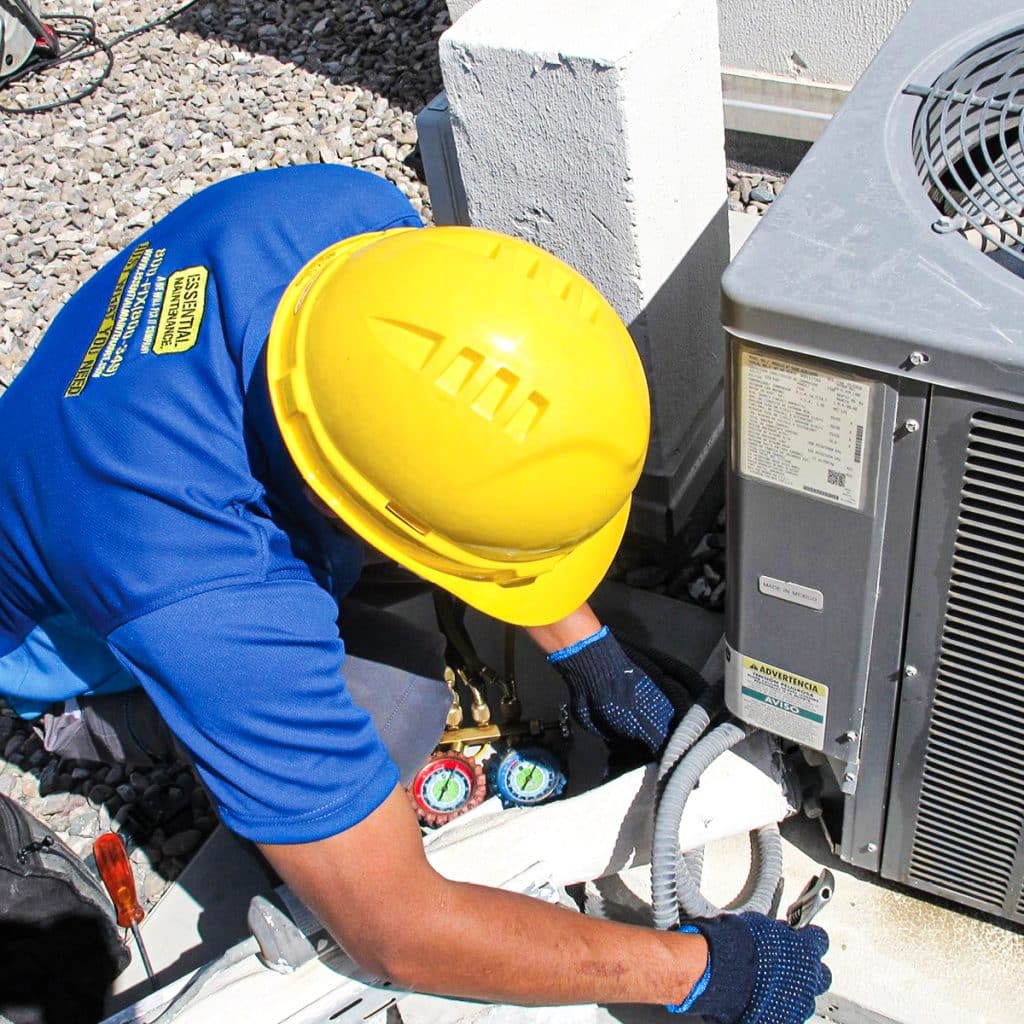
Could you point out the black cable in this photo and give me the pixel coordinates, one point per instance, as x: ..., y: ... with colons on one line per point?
x: 30, y: 18
x: 156, y: 23
x: 80, y: 42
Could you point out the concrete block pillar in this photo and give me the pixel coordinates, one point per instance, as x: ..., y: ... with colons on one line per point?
x: 457, y: 8
x: 594, y: 129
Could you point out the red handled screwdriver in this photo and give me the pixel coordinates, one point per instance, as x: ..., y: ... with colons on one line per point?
x: 116, y: 871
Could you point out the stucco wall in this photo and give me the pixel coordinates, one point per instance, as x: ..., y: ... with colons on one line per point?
x: 815, y: 40
x: 819, y: 40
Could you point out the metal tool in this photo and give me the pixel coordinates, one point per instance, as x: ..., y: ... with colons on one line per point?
x: 816, y: 893
x: 116, y: 871
x: 283, y: 946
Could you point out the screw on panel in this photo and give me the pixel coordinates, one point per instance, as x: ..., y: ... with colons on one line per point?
x: 910, y: 671
x: 871, y: 848
x: 849, y: 777
x: 945, y: 225
x: 911, y: 426
x: 915, y: 359
x: 848, y: 737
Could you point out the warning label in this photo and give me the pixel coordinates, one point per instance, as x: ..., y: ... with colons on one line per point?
x: 802, y: 428
x: 182, y: 314
x: 778, y: 701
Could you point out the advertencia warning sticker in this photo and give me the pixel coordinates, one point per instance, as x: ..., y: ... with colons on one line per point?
x: 779, y: 701
x: 803, y: 428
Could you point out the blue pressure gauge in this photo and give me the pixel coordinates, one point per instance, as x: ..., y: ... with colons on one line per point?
x: 527, y: 776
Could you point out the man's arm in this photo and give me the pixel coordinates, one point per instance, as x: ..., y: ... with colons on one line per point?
x: 608, y: 694
x: 375, y: 891
x: 570, y: 630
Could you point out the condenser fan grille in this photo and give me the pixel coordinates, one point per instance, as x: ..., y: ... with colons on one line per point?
x: 969, y: 148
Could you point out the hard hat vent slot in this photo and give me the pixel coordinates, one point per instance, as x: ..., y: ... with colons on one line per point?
x: 526, y: 417
x: 460, y: 371
x: 495, y: 393
x: 411, y: 521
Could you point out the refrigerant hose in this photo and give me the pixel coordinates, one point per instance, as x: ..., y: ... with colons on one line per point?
x: 675, y: 877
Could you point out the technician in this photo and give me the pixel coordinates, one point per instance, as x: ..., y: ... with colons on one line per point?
x: 278, y: 367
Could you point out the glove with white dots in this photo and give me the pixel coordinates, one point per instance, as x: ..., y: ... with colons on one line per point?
x: 609, y: 695
x: 760, y: 971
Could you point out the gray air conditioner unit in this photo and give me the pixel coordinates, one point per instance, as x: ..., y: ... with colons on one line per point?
x: 875, y: 324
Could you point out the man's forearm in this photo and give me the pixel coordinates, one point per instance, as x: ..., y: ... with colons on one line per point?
x: 504, y: 947
x: 573, y: 628
x: 374, y: 890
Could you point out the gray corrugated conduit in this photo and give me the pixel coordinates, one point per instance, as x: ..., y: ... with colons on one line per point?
x: 675, y: 877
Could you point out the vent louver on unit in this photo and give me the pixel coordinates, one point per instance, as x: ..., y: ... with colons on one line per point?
x: 970, y: 819
x: 968, y: 148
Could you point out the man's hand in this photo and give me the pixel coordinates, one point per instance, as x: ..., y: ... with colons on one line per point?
x: 760, y: 971
x: 608, y: 694
x: 374, y: 889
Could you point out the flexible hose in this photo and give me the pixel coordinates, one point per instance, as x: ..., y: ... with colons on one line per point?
x: 675, y: 877
x: 694, y: 722
x: 759, y: 891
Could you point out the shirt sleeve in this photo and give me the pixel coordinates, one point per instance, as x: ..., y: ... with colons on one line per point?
x: 249, y: 679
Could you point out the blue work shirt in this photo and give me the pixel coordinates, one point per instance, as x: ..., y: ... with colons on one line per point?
x: 153, y: 529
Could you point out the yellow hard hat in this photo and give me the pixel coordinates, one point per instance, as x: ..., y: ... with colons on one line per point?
x: 468, y: 404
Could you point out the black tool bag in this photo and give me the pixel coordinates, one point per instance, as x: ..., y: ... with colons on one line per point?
x: 60, y: 947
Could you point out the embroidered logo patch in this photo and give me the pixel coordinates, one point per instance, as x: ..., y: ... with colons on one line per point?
x: 182, y: 312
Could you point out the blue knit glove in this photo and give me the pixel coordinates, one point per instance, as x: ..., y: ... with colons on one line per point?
x: 609, y: 695
x: 760, y: 971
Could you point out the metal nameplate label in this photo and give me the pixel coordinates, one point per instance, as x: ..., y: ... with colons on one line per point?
x: 795, y: 593
x: 802, y: 428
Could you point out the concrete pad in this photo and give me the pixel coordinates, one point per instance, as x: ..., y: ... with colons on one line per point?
x: 916, y: 960
x: 457, y: 8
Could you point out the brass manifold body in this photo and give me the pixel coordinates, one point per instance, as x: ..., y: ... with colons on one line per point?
x: 456, y: 736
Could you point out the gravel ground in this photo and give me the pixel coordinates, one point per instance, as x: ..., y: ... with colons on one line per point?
x: 223, y: 88
x: 753, y: 191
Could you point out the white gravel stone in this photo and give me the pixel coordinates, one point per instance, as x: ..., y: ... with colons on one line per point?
x: 225, y: 88
x: 55, y: 803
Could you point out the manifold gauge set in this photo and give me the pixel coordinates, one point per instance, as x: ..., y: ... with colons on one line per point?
x: 497, y: 752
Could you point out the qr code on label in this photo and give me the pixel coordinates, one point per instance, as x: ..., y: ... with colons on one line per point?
x: 836, y: 479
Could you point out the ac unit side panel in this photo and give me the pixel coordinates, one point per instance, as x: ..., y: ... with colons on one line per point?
x: 864, y: 812
x: 809, y: 442
x: 956, y: 808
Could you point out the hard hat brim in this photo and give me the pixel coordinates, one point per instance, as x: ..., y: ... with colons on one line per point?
x: 547, y: 598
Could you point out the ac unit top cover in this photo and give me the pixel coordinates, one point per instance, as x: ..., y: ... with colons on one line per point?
x: 902, y: 230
